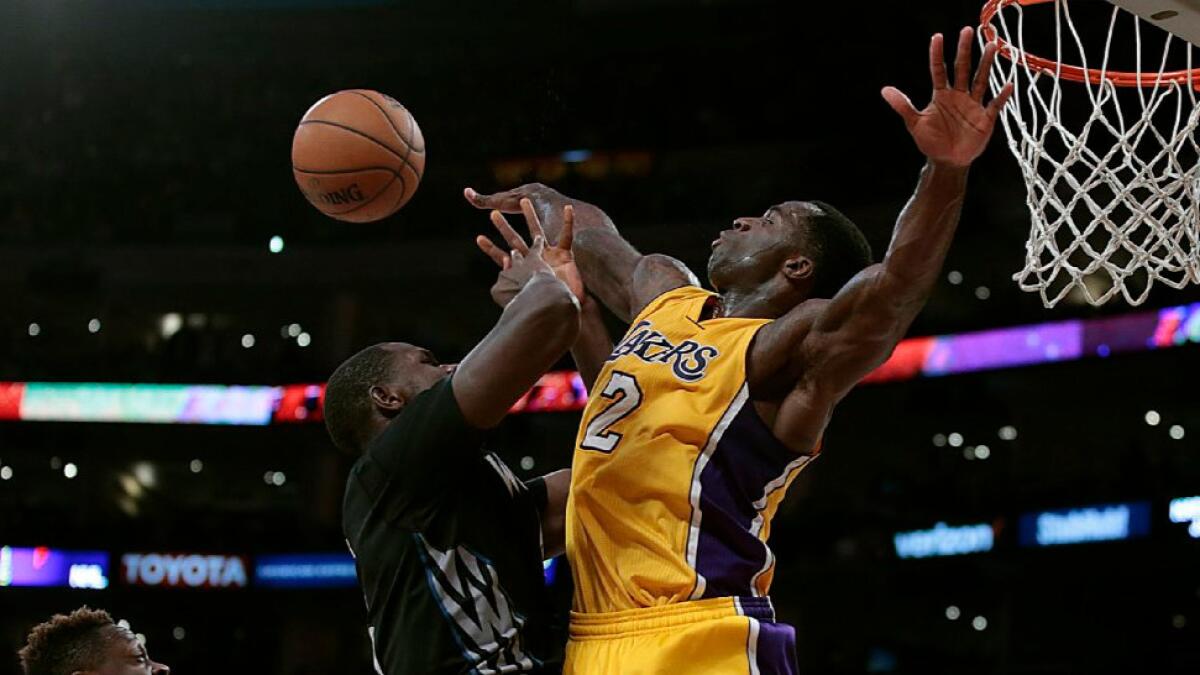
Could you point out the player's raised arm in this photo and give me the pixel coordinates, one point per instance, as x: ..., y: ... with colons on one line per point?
x: 834, y: 345
x: 624, y: 279
x: 593, y: 344
x: 536, y: 328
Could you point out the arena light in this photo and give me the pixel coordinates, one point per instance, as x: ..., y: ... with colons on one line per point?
x: 47, y: 567
x: 944, y: 540
x: 1104, y: 522
x: 576, y: 156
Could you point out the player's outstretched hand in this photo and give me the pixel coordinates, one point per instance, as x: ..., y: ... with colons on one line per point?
x: 956, y: 126
x: 558, y: 258
x: 509, y: 201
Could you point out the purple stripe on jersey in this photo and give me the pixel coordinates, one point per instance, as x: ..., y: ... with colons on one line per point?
x: 775, y: 653
x: 759, y: 607
x: 746, y: 459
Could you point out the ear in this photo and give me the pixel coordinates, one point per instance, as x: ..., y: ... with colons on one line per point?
x: 388, y: 402
x: 798, y: 269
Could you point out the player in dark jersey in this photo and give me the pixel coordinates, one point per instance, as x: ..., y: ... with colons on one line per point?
x: 448, y: 542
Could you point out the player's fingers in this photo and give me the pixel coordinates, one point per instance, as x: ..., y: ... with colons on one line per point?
x: 491, y: 250
x: 532, y: 220
x: 979, y: 86
x: 567, y: 238
x: 539, y: 246
x: 1001, y: 100
x: 902, y: 105
x: 962, y: 60
x: 510, y: 235
x: 501, y: 201
x: 937, y: 62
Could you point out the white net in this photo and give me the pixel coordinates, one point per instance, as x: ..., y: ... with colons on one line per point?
x: 1111, y: 170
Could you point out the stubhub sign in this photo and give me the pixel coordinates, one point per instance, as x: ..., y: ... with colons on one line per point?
x: 1103, y: 522
x: 184, y: 570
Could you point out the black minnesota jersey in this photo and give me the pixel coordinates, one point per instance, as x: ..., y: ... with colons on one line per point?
x: 447, y: 543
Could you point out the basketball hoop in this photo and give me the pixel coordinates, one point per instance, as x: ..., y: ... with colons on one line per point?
x: 1110, y: 158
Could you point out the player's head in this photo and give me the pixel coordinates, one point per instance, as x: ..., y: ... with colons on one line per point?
x: 372, y: 386
x: 85, y: 642
x: 808, y: 248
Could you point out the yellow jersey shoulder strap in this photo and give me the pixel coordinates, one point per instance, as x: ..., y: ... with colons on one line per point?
x: 679, y: 302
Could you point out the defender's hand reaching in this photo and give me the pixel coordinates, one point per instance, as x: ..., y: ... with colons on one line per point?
x: 956, y: 126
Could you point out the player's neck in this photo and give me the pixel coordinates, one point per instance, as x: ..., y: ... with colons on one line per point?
x: 761, y: 302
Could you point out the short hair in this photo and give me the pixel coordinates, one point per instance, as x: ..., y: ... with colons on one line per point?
x: 67, y: 643
x: 841, y: 249
x: 348, y: 408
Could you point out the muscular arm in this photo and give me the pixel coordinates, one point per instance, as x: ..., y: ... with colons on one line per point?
x: 593, y: 346
x: 621, y: 277
x: 825, y: 348
x: 858, y: 329
x: 533, y: 332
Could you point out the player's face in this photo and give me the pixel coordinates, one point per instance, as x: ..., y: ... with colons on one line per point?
x: 753, y: 249
x: 417, y: 369
x: 127, y: 656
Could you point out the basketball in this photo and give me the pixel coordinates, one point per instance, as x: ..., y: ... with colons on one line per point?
x: 358, y: 155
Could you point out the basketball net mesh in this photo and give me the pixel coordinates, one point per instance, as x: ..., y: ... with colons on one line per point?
x: 1111, y: 176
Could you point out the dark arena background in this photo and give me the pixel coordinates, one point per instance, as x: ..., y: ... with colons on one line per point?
x: 1017, y: 495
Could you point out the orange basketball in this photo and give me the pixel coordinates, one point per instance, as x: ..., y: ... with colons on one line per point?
x: 358, y: 155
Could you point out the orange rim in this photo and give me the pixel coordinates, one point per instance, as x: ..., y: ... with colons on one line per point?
x: 1075, y: 73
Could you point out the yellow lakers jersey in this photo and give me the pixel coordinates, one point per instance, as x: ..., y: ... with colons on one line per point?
x: 675, y: 476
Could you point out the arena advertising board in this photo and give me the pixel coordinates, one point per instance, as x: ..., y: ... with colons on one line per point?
x: 47, y: 567
x: 184, y: 570
x: 305, y: 570
x: 944, y: 540
x: 1102, y: 522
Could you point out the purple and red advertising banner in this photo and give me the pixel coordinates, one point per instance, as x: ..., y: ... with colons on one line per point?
x: 564, y: 391
x: 46, y: 567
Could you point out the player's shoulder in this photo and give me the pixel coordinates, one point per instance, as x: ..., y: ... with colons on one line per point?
x: 674, y: 299
x: 657, y: 275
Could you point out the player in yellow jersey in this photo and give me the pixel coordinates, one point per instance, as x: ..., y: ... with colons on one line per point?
x: 712, y: 402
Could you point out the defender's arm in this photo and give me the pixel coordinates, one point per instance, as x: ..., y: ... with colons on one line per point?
x: 533, y: 332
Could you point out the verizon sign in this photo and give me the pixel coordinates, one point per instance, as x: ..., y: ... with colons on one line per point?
x: 183, y: 570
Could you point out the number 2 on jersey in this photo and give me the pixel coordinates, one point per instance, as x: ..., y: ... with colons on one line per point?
x: 623, y: 390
